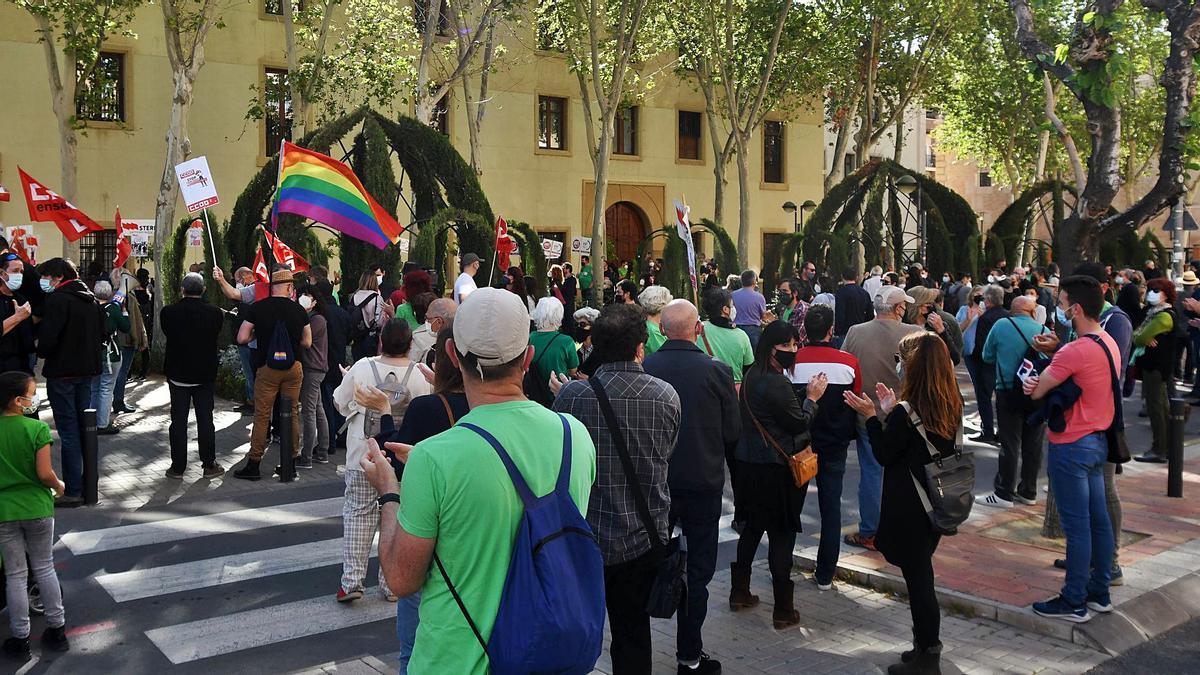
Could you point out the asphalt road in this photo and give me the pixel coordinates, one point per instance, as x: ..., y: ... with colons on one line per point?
x: 1176, y: 651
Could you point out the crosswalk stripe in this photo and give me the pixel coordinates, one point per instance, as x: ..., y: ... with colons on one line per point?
x: 194, y: 640
x: 188, y: 576
x: 190, y: 527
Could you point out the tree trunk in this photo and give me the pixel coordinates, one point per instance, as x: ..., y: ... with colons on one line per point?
x: 294, y: 89
x: 68, y: 146
x: 899, y: 151
x: 472, y: 126
x: 837, y: 164
x: 743, y: 169
x: 599, y: 234
x: 178, y: 148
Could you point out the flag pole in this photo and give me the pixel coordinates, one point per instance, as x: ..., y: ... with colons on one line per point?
x: 212, y: 245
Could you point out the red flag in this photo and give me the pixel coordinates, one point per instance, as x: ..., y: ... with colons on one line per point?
x: 124, y: 248
x: 47, y: 207
x: 18, y: 247
x: 504, y: 243
x: 4, y: 194
x: 262, y: 273
x: 284, y: 255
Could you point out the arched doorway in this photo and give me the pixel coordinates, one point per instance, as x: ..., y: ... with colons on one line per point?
x: 625, y: 226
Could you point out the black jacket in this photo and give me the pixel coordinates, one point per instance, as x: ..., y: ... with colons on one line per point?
x: 70, y: 332
x: 709, y: 421
x: 905, y: 534
x: 771, y: 400
x: 1129, y: 299
x: 851, y: 306
x: 984, y: 325
x: 192, y: 327
x: 337, y: 334
x: 21, y: 341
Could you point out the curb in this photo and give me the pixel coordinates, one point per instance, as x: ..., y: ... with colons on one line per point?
x: 1132, y: 623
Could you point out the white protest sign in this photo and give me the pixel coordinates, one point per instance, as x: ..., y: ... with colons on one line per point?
x: 683, y: 228
x: 139, y: 236
x: 552, y: 248
x: 195, y: 234
x: 581, y: 245
x: 196, y: 182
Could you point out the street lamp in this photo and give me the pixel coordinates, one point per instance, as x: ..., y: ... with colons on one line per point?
x: 907, y: 185
x: 790, y: 207
x: 798, y: 212
x: 808, y: 205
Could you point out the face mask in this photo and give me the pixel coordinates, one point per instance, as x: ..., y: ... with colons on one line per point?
x: 946, y: 279
x: 14, y: 280
x: 306, y: 302
x: 991, y: 279
x: 785, y: 359
x: 1062, y: 316
x: 32, y: 408
x: 47, y: 286
x: 900, y: 370
x: 977, y: 300
x: 785, y: 298
x: 1121, y: 281
x: 924, y: 275
x: 1153, y: 298
x: 379, y: 278
x: 732, y: 312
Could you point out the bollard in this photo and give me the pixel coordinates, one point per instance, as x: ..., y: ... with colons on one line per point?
x: 1177, y: 417
x: 91, y: 460
x: 287, y: 465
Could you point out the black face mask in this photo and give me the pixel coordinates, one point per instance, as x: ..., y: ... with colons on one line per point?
x: 785, y: 298
x: 786, y: 359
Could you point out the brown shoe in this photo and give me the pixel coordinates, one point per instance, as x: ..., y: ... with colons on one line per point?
x: 857, y: 539
x: 740, y: 596
x: 214, y: 471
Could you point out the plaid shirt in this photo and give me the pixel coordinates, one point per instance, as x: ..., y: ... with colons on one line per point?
x: 647, y: 411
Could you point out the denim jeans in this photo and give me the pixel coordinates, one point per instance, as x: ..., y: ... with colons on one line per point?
x: 1076, y: 472
x: 122, y: 376
x: 754, y: 332
x: 870, y: 486
x: 245, y: 354
x: 34, y: 538
x: 407, y: 620
x: 831, y: 468
x: 102, y: 388
x: 69, y: 397
x: 699, y: 516
x: 983, y: 380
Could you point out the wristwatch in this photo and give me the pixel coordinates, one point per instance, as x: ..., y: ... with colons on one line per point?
x: 389, y: 497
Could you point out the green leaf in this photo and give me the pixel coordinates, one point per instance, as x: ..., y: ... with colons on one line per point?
x: 1060, y: 52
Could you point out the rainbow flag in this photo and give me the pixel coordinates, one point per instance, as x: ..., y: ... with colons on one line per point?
x: 325, y: 190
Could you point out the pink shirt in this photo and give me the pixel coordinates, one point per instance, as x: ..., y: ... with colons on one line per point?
x: 1083, y: 361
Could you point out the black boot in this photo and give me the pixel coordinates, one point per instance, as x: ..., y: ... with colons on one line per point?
x: 740, y: 596
x: 784, y: 615
x: 919, y: 662
x: 248, y: 472
x: 55, y: 639
x: 17, y: 648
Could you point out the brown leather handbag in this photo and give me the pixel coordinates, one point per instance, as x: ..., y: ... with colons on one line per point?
x: 803, y: 464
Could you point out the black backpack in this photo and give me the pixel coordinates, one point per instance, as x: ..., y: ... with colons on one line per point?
x: 1016, y: 397
x: 279, y: 350
x: 360, y: 325
x: 949, y: 480
x: 536, y: 387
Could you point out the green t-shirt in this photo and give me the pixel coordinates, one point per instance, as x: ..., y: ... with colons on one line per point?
x: 405, y: 312
x: 787, y: 314
x: 561, y: 357
x: 22, y: 495
x: 585, y: 277
x: 455, y: 489
x: 655, y: 338
x: 730, y: 346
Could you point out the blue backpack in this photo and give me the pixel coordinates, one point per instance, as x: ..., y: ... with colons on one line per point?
x: 551, y: 615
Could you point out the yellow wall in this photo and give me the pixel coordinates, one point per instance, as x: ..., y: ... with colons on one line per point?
x: 548, y: 190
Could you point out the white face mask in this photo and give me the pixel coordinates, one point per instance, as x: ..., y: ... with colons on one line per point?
x: 379, y: 278
x: 1153, y: 297
x: 32, y: 408
x: 732, y: 312
x: 991, y: 279
x: 306, y: 302
x: 14, y: 280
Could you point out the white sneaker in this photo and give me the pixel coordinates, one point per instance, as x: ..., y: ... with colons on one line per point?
x: 990, y: 499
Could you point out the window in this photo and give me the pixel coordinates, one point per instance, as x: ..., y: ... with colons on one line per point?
x: 773, y: 152
x: 97, y: 247
x: 420, y: 11
x: 848, y: 165
x: 552, y: 123
x: 625, y: 126
x: 101, y: 97
x: 932, y: 113
x: 277, y: 109
x: 985, y: 179
x: 275, y: 7
x: 689, y: 135
x: 440, y: 119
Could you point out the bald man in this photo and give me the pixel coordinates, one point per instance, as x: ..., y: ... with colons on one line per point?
x: 1008, y: 345
x: 437, y: 316
x: 708, y: 431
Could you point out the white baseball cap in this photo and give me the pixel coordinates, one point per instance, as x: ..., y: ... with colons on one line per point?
x: 894, y: 295
x: 493, y: 325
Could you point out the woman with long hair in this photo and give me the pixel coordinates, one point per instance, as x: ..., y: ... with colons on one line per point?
x: 516, y: 284
x: 774, y: 422
x: 367, y: 316
x: 416, y: 282
x: 906, y: 537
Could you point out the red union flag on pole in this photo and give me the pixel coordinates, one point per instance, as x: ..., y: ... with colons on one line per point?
x: 47, y: 207
x: 284, y: 255
x: 4, y: 194
x: 124, y: 247
x: 262, y: 273
x: 504, y: 243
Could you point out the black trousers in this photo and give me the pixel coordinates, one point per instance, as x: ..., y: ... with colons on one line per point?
x: 922, y: 602
x: 626, y: 589
x: 1019, y: 442
x: 699, y: 515
x: 183, y: 399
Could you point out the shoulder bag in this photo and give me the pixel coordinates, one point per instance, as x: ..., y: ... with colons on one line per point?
x: 946, y: 494
x: 803, y: 464
x: 1118, y: 448
x: 670, y: 579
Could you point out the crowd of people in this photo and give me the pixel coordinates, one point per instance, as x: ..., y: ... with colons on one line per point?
x: 459, y: 414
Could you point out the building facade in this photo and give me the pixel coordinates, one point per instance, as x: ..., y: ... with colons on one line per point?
x: 535, y: 164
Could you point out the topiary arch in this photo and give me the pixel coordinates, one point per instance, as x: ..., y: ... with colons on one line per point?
x: 438, y: 179
x: 868, y: 211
